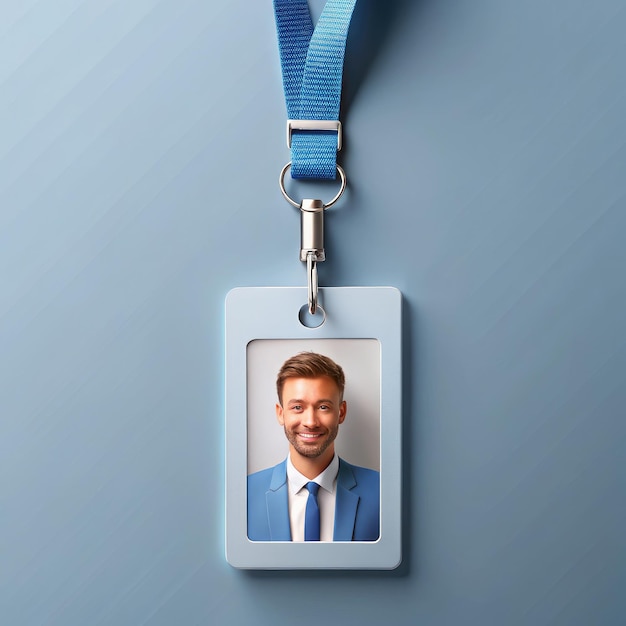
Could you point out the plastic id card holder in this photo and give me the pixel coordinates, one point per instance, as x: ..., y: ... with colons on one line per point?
x: 357, y: 332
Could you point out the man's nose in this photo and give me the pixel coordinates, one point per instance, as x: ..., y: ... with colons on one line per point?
x: 309, y: 417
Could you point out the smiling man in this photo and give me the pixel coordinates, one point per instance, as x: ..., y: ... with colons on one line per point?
x: 313, y: 495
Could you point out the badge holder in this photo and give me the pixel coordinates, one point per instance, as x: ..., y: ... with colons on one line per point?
x: 355, y: 329
x: 362, y: 332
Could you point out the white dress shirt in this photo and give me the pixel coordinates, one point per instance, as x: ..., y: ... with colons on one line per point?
x: 298, y: 496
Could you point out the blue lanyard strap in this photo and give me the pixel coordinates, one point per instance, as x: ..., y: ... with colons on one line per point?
x: 312, y: 65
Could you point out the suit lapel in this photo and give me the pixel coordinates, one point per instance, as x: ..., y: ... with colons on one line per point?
x: 277, y: 501
x: 346, y: 504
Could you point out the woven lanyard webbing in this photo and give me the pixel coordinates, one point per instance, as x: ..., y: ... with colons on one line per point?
x: 312, y: 66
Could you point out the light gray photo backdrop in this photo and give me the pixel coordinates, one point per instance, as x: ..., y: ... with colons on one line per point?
x: 358, y: 441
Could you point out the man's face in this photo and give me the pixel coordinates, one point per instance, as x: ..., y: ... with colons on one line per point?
x: 311, y: 411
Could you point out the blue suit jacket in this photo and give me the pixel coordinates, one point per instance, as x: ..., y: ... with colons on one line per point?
x: 357, y: 505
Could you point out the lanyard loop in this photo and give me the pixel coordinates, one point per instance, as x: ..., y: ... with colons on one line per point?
x: 312, y: 66
x: 298, y: 205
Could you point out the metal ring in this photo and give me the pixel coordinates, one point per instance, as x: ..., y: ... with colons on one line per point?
x: 281, y: 182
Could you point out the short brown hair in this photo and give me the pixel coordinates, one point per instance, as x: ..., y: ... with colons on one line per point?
x: 309, y: 365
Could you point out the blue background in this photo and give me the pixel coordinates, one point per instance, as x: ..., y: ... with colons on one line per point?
x: 140, y: 145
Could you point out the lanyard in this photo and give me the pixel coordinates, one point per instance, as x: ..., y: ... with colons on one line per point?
x: 312, y: 67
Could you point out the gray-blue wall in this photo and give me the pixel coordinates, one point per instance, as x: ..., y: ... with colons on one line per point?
x: 140, y: 144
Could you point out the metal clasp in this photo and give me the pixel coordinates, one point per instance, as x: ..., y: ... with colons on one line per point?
x: 312, y: 245
x: 311, y: 232
x: 312, y: 284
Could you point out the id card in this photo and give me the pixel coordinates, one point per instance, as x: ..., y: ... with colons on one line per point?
x: 313, y: 399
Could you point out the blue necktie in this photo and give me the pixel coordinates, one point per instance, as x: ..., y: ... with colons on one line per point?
x: 312, y: 514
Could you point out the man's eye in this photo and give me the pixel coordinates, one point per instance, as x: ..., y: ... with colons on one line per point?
x: 324, y: 407
x: 296, y: 407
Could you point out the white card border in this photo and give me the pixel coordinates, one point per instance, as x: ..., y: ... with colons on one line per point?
x: 351, y: 313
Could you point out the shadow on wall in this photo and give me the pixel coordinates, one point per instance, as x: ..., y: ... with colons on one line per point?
x: 373, y: 23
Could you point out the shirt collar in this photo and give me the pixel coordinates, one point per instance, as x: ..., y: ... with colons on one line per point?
x: 326, y: 480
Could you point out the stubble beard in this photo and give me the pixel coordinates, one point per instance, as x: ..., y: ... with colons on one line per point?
x: 311, y: 451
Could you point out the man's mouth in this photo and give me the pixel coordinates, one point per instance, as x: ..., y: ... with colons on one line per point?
x: 310, y: 436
